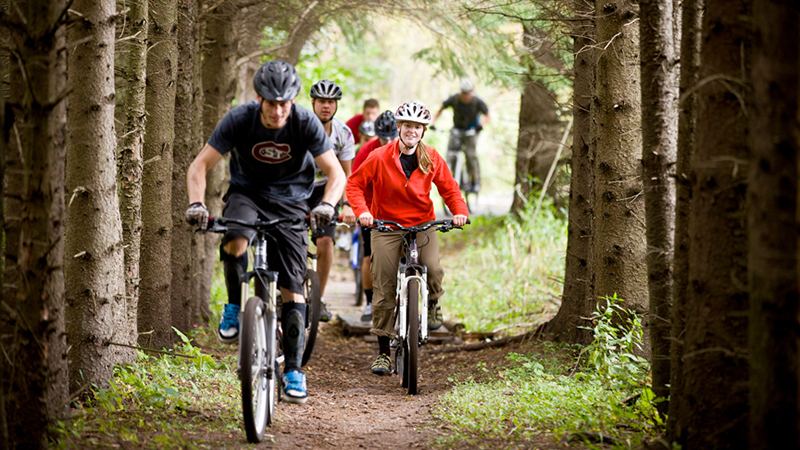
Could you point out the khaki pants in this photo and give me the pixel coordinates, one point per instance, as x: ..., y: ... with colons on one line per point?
x: 386, y: 251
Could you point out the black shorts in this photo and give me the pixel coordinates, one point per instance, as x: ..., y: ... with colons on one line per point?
x: 324, y: 230
x: 287, y: 249
x: 365, y: 235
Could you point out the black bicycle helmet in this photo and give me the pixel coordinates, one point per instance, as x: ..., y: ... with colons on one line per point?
x: 326, y: 89
x: 386, y: 126
x: 277, y: 81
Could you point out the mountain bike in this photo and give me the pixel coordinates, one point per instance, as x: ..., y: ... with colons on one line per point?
x: 260, y: 336
x: 411, y: 310
x: 458, y: 168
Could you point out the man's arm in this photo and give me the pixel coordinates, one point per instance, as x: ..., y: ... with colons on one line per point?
x: 336, y: 177
x: 196, y: 175
x: 436, y: 116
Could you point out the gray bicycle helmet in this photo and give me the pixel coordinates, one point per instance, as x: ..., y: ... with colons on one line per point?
x: 277, y: 81
x: 326, y: 89
x: 386, y: 126
x: 367, y: 128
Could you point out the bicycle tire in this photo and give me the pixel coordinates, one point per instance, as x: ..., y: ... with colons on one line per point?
x: 312, y: 290
x: 413, y: 334
x: 359, y: 278
x: 257, y: 403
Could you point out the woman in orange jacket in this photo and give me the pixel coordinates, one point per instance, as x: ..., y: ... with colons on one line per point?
x: 402, y: 174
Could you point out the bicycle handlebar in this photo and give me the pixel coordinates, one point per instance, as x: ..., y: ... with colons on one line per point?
x: 219, y: 224
x: 441, y: 225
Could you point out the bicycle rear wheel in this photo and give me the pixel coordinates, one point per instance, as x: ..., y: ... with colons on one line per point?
x: 312, y: 290
x: 258, y: 389
x: 412, y: 341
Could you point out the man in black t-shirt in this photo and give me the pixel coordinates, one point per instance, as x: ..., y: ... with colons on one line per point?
x: 470, y: 114
x: 273, y: 145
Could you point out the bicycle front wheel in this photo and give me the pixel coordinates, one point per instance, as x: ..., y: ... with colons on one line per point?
x: 412, y: 341
x: 312, y: 290
x: 257, y: 390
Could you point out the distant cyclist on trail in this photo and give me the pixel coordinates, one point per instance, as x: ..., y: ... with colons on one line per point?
x: 402, y: 175
x: 386, y: 129
x: 273, y: 145
x: 325, y: 96
x: 469, y: 113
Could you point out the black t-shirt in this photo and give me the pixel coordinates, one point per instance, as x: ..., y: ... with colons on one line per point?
x: 275, y: 164
x: 465, y: 115
x: 409, y: 163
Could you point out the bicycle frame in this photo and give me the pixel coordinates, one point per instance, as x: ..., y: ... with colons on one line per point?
x: 259, y: 272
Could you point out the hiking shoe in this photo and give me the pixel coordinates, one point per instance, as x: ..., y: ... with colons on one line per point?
x: 367, y: 316
x: 295, y: 391
x: 382, y: 365
x: 324, y: 314
x: 229, y: 325
x: 434, y: 316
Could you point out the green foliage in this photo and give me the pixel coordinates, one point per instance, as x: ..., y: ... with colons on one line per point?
x: 544, y: 392
x: 617, y: 338
x: 507, y: 272
x: 143, y: 398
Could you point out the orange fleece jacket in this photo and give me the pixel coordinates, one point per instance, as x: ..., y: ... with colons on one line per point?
x: 406, y: 201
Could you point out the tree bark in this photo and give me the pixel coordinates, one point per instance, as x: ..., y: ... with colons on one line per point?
x: 33, y: 375
x: 154, y: 303
x: 219, y: 58
x: 691, y: 24
x: 659, y: 153
x: 619, y: 219
x: 714, y: 410
x: 539, y: 131
x: 183, y: 154
x: 95, y: 287
x: 577, y: 300
x: 772, y: 227
x: 130, y: 164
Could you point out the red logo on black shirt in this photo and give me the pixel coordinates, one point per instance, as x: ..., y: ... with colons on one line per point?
x: 272, y: 152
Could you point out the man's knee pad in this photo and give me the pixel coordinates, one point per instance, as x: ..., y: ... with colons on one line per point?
x: 234, y: 268
x: 293, y: 323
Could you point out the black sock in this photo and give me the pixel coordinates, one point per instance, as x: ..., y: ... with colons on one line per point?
x: 383, y: 345
x: 368, y: 292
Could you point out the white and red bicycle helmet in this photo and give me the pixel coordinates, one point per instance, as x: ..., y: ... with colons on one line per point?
x: 413, y: 112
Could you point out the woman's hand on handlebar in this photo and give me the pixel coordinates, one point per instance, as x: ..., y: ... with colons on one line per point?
x: 365, y: 220
x: 459, y: 220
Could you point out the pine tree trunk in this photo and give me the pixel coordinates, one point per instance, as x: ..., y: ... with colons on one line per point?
x: 714, y: 409
x: 539, y: 130
x: 772, y: 227
x: 201, y: 310
x: 34, y: 369
x: 219, y: 86
x: 691, y: 24
x: 577, y: 300
x: 659, y: 153
x: 95, y: 286
x: 619, y: 217
x: 131, y: 148
x: 155, y: 268
x: 183, y: 155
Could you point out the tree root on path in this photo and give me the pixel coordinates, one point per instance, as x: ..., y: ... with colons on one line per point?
x: 482, y: 345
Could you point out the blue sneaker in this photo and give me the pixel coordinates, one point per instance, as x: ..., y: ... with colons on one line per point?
x: 295, y: 387
x: 229, y: 325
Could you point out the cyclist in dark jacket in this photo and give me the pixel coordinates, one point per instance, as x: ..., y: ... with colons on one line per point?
x: 273, y: 145
x: 470, y: 114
